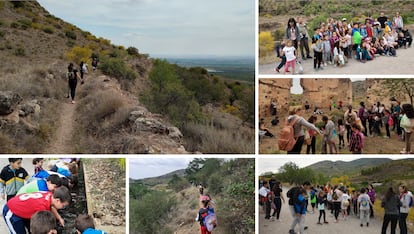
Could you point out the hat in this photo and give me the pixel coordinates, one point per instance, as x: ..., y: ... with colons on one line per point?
x: 343, y: 19
x: 377, y: 23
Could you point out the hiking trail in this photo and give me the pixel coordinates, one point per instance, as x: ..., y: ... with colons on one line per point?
x: 352, y: 225
x: 61, y: 142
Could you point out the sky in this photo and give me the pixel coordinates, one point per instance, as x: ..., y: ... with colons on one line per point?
x: 140, y: 168
x: 297, y: 89
x: 273, y: 164
x: 165, y: 28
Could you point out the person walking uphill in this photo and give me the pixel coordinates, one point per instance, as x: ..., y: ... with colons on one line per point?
x: 73, y: 77
x: 299, y: 122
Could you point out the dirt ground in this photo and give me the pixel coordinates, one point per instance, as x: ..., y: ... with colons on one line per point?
x: 372, y: 145
x: 383, y: 65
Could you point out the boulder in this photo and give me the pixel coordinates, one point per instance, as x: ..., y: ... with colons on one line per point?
x: 8, y: 102
x: 31, y: 107
x: 175, y: 133
x: 134, y: 115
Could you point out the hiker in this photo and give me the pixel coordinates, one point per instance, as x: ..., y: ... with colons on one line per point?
x: 38, y: 163
x: 364, y: 203
x: 83, y: 68
x: 290, y: 52
x: 278, y: 198
x: 264, y: 129
x: 322, y: 203
x: 406, y: 199
x: 94, y: 63
x: 337, y: 201
x: 311, y: 142
x: 341, y: 133
x: 294, y: 203
x: 407, y: 123
x: 203, y: 215
x: 201, y: 189
x: 273, y: 107
x: 363, y: 115
x: 391, y: 204
x: 372, y: 196
x: 330, y: 134
x: 264, y: 192
x: 299, y: 122
x: 350, y: 118
x: 48, y: 185
x: 12, y: 178
x: 292, y: 32
x: 73, y: 77
x: 304, y: 37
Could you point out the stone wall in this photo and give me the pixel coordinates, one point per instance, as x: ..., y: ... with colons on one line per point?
x: 321, y: 92
x: 277, y: 89
x: 377, y: 91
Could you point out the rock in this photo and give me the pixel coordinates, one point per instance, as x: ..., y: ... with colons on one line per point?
x: 31, y: 107
x: 11, y: 119
x: 277, y: 89
x: 8, y: 102
x: 149, y: 125
x: 134, y: 115
x: 175, y: 133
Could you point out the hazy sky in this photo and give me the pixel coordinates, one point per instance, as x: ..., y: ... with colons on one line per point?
x: 140, y: 168
x: 162, y: 27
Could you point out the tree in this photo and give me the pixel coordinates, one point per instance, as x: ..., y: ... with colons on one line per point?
x: 400, y: 88
x: 294, y: 175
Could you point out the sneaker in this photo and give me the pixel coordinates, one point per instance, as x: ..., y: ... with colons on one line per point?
x: 73, y: 102
x: 293, y: 232
x: 309, y: 56
x: 335, y: 221
x: 325, y: 64
x: 305, y: 228
x: 277, y: 70
x: 386, y: 137
x: 319, y: 223
x: 67, y: 96
x: 325, y: 222
x: 367, y: 224
x: 361, y: 225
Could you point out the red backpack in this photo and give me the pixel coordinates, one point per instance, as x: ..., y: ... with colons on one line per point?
x: 287, y: 139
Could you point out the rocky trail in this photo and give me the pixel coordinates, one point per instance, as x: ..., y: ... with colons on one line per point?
x: 352, y: 225
x: 383, y: 65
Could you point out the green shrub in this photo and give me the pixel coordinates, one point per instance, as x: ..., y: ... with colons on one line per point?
x: 70, y: 43
x: 132, y: 51
x: 14, y: 25
x: 18, y: 3
x: 48, y: 30
x: 25, y: 23
x: 117, y: 68
x: 70, y: 34
x: 19, y: 51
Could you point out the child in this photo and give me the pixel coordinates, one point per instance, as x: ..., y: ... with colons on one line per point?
x: 20, y: 209
x: 43, y: 222
x: 280, y: 54
x: 322, y: 202
x: 339, y: 58
x: 313, y: 199
x: 356, y: 143
x: 84, y: 225
x: 317, y: 49
x: 38, y: 163
x: 326, y: 45
x: 364, y: 203
x: 388, y: 121
x: 202, y: 214
x: 48, y: 185
x: 345, y: 205
x: 12, y: 178
x: 289, y: 51
x: 300, y: 209
x: 341, y: 133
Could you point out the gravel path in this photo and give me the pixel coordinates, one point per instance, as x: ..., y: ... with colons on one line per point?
x: 383, y: 65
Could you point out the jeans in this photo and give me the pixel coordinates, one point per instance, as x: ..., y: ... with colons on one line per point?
x: 311, y: 146
x: 298, y: 146
x: 403, y: 223
x: 278, y: 204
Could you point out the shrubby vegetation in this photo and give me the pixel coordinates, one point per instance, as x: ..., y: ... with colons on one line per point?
x: 230, y: 183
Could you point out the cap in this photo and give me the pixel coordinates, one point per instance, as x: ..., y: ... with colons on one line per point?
x: 377, y: 23
x: 343, y: 19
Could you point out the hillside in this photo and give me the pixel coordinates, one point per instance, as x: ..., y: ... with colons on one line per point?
x: 358, y: 90
x: 164, y: 179
x: 338, y: 168
x: 124, y: 107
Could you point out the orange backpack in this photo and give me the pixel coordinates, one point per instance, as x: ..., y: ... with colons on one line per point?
x: 287, y: 139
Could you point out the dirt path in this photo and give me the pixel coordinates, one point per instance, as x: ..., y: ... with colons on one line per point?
x: 61, y: 142
x: 352, y: 225
x: 383, y: 65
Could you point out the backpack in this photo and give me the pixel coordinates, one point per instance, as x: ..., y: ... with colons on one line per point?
x: 335, y: 196
x: 275, y: 121
x: 350, y: 118
x: 293, y: 194
x: 390, y: 120
x: 287, y: 139
x: 209, y: 219
x: 71, y: 75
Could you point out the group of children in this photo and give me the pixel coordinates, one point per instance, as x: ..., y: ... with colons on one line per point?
x: 335, y: 42
x: 32, y: 203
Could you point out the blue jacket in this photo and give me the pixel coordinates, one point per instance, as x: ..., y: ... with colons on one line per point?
x: 300, y: 208
x: 93, y: 231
